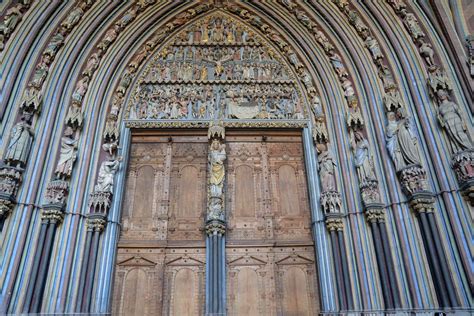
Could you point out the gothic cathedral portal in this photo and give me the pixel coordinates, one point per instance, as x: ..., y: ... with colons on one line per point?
x: 236, y: 157
x: 216, y: 220
x: 269, y: 254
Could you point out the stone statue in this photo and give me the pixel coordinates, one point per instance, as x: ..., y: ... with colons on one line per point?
x: 387, y: 77
x: 2, y: 42
x: 73, y: 18
x: 413, y: 27
x: 300, y: 15
x: 363, y: 160
x: 336, y: 61
x: 326, y: 171
x: 451, y: 119
x: 11, y: 19
x: 323, y: 40
x: 91, y: 65
x: 402, y: 143
x: 109, y: 37
x: 81, y: 89
x: 357, y: 22
x: 316, y: 107
x: 374, y: 48
x: 54, y: 44
x: 41, y: 72
x: 18, y: 148
x: 127, y: 17
x: 217, y: 156
x: 68, y: 154
x: 105, y: 180
x: 398, y: 5
x: 426, y: 51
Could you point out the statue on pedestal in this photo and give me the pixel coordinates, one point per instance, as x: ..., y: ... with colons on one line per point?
x: 18, y: 149
x: 402, y: 143
x: 451, y: 119
x: 68, y: 154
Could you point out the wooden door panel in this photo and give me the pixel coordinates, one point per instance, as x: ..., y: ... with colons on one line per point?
x: 187, y: 190
x: 157, y: 273
x: 268, y: 206
x: 245, y: 207
x: 143, y: 192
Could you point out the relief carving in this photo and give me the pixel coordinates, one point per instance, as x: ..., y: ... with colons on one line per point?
x: 224, y: 70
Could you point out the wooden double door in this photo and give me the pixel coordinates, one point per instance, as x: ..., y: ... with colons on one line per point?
x: 160, y: 268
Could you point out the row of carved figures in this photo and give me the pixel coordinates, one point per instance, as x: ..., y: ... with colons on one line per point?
x: 216, y: 30
x: 197, y: 54
x: 208, y: 71
x: 199, y: 102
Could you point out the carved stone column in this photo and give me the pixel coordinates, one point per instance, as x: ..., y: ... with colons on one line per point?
x: 422, y: 204
x: 215, y: 223
x: 334, y: 224
x: 51, y: 217
x: 95, y: 226
x: 99, y: 204
x: 375, y: 215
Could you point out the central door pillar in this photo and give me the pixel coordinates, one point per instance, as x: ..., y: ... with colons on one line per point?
x: 215, y: 223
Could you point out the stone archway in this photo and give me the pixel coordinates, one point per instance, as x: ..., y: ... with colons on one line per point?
x: 218, y: 69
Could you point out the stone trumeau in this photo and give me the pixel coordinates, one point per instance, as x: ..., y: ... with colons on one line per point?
x: 236, y: 157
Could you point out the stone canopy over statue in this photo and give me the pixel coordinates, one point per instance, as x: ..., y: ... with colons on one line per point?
x: 216, y: 68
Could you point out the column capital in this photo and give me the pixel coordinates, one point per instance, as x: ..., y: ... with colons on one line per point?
x: 52, y: 215
x: 422, y: 202
x: 96, y: 222
x: 334, y: 222
x: 375, y: 212
x: 215, y: 227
